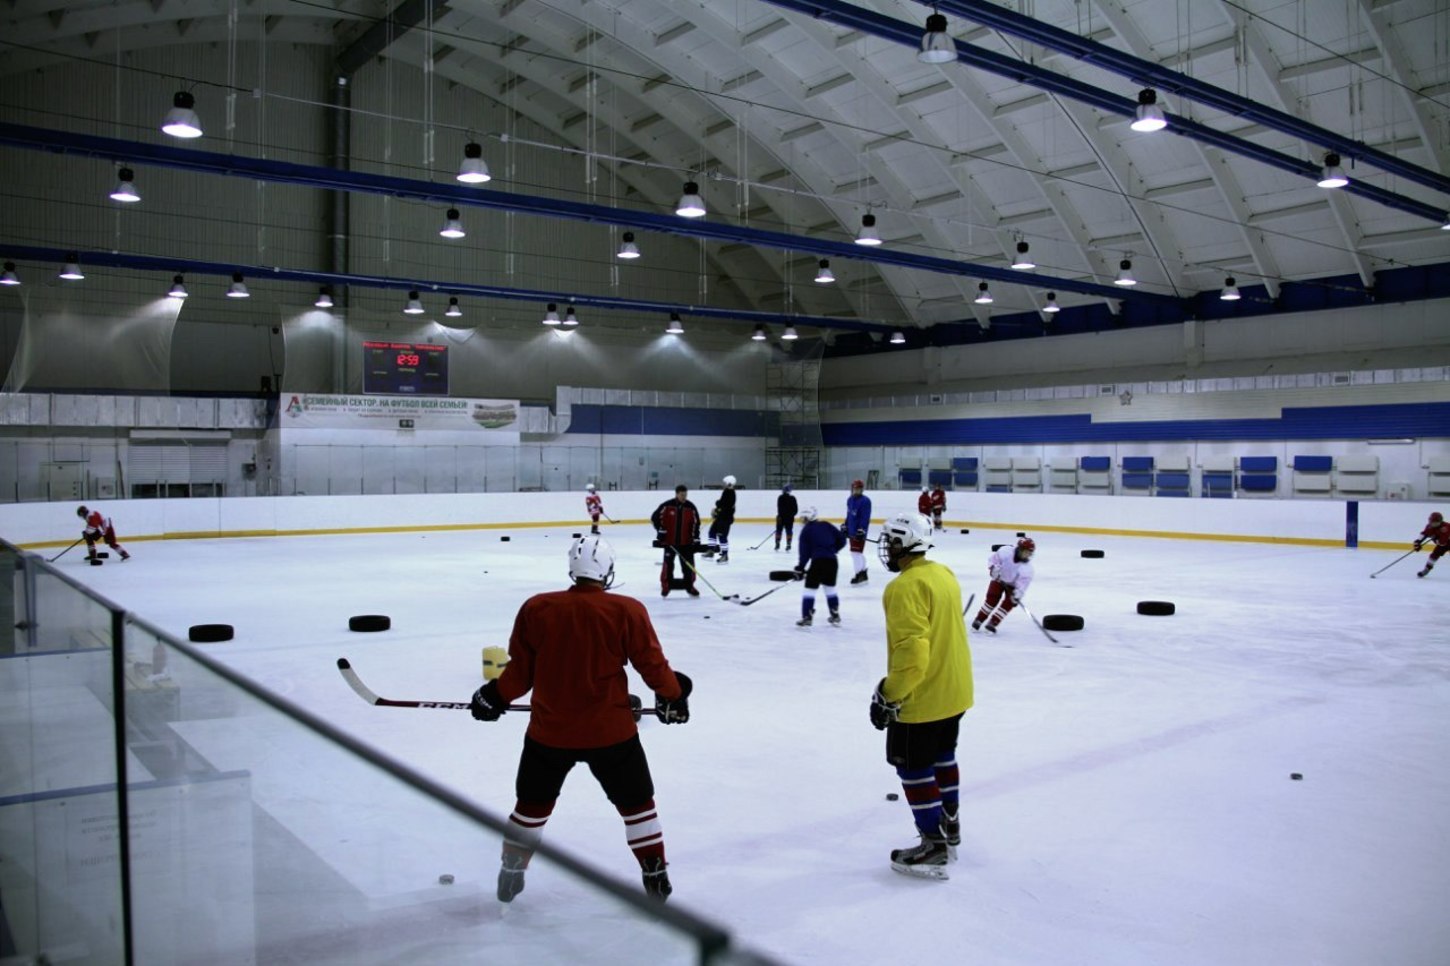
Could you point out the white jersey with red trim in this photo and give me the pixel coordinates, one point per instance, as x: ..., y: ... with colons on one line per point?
x: 1003, y: 566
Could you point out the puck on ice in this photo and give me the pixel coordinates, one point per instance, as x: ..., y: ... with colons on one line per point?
x: 1296, y: 776
x: 892, y: 796
x: 445, y: 879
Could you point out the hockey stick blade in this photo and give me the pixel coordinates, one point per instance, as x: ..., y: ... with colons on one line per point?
x: 750, y: 600
x: 1045, y: 632
x: 368, y: 695
x: 968, y: 608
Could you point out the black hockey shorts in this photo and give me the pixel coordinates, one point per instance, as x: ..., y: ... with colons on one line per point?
x: 917, y: 746
x: 721, y: 528
x: 822, y: 570
x: 621, y: 770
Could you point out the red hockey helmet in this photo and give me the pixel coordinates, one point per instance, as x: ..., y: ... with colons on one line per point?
x: 1025, y: 548
x: 858, y: 483
x: 1437, y: 518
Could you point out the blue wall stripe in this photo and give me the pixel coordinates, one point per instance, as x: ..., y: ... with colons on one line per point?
x: 1319, y: 422
x: 672, y: 421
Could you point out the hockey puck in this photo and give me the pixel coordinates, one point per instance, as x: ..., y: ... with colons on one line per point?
x: 1296, y: 776
x: 1092, y: 554
x: 95, y: 562
x: 503, y: 539
x: 369, y: 623
x: 892, y: 796
x: 445, y: 879
x: 1157, y: 608
x: 965, y: 530
x: 576, y: 536
x: 707, y: 617
x: 209, y: 633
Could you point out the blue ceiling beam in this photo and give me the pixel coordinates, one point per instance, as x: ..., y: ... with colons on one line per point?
x: 909, y: 35
x: 1145, y: 73
x: 453, y: 194
x: 263, y: 273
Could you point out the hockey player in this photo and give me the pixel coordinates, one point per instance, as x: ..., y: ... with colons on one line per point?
x: 1437, y: 532
x: 785, y: 511
x: 820, y: 542
x: 101, y: 528
x: 1010, y: 568
x: 938, y: 505
x: 721, y: 519
x: 593, y: 506
x: 858, y: 521
x: 923, y: 502
x: 677, y: 528
x: 570, y: 648
x: 927, y: 689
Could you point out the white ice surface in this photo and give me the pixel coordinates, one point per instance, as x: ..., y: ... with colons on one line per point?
x: 1126, y: 801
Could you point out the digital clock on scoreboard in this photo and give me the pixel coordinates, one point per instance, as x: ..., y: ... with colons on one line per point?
x: 405, y: 369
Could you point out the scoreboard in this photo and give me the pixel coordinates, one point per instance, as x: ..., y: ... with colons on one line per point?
x: 405, y: 369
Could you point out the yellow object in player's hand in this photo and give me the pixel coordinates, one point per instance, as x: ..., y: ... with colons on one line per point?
x: 494, y: 660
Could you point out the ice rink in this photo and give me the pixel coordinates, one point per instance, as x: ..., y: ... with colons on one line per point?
x: 1127, y: 800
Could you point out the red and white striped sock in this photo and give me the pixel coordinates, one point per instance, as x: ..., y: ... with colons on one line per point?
x: 642, y: 831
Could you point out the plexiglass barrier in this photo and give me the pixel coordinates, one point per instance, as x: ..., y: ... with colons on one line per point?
x: 253, y: 832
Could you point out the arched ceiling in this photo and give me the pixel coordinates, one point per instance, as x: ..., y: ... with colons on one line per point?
x: 798, y: 124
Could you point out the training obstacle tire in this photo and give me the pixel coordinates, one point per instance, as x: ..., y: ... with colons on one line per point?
x: 1021, y: 534
x: 1156, y: 608
x: 1062, y: 622
x: 210, y: 633
x: 503, y: 539
x: 576, y: 536
x: 369, y: 623
x: 781, y: 575
x: 94, y: 562
x: 965, y: 530
x: 997, y: 546
x: 1093, y: 554
x: 679, y: 583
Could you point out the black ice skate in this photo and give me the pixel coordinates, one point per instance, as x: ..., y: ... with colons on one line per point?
x: 724, y: 557
x: 511, y: 876
x: 860, y: 577
x: 976, y: 625
x: 951, y: 827
x: 1423, y: 573
x: 835, y: 618
x: 803, y: 622
x: 927, y: 860
x: 656, y: 879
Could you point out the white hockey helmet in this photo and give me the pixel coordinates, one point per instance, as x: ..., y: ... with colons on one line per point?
x: 903, y: 534
x: 592, y: 558
x: 809, y: 514
x: 589, y: 487
x: 729, y: 481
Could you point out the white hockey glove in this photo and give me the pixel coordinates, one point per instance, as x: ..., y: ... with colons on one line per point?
x: 994, y: 571
x: 1016, y: 596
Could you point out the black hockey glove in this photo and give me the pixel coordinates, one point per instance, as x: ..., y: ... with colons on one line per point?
x: 1419, y: 542
x: 800, y: 571
x: 883, y: 712
x: 675, y: 710
x: 488, y: 704
x: 860, y: 534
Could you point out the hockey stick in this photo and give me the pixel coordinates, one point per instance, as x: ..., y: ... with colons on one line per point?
x: 717, y: 593
x: 1392, y: 563
x: 366, y: 693
x: 967, y: 609
x: 750, y: 600
x: 767, y: 537
x: 608, y: 517
x: 1044, y: 630
x: 64, y: 552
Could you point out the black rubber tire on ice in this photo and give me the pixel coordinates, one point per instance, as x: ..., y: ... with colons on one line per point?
x: 1156, y: 608
x: 210, y: 633
x: 503, y: 539
x: 1021, y: 534
x: 997, y: 546
x: 94, y: 562
x: 1093, y: 554
x: 965, y: 530
x: 1062, y: 622
x: 576, y: 536
x: 369, y: 623
x: 678, y: 583
x: 782, y: 575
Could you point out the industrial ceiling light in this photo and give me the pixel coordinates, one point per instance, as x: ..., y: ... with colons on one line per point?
x: 691, y: 204
x: 178, y: 288
x: 569, y: 317
x: 1052, y: 308
x: 453, y: 311
x: 551, y: 315
x: 181, y: 121
x: 868, y: 235
x: 789, y: 335
x: 238, y: 288
x: 1022, y: 262
x: 759, y: 334
x: 473, y: 170
x: 676, y: 327
x: 415, y: 304
x: 824, y: 275
x: 72, y: 270
x: 1125, y: 274
x: 1333, y: 176
x: 627, y: 248
x: 1230, y: 291
x: 898, y: 337
x: 984, y: 297
x: 125, y: 190
x: 452, y: 225
x: 936, y: 46
x: 324, y: 298
x: 1149, y: 116
x: 8, y: 276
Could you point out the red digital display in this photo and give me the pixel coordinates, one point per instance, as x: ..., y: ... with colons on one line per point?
x: 405, y: 369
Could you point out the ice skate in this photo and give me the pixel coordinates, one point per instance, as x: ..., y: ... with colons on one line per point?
x: 692, y: 592
x: 656, y: 879
x: 1423, y: 573
x: 976, y: 625
x: 927, y: 860
x: 724, y: 557
x: 860, y: 577
x: 992, y: 628
x: 511, y: 876
x: 835, y: 618
x: 804, y: 622
x: 951, y: 827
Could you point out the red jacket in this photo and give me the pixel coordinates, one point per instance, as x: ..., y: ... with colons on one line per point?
x: 1439, y: 536
x: 923, y: 503
x: 570, y: 647
x: 678, y: 522
x: 938, y: 499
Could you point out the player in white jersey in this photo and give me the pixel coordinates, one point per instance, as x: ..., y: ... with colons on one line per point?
x: 1010, y: 568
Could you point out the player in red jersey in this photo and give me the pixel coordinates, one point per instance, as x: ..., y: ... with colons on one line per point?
x: 570, y: 647
x: 923, y: 502
x: 1437, y: 532
x: 593, y: 506
x: 101, y: 528
x: 938, y: 505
